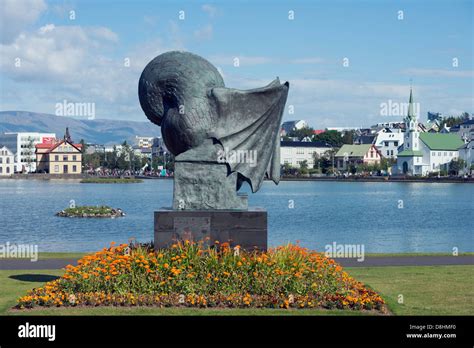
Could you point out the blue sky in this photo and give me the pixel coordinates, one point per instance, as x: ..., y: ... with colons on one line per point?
x: 82, y: 60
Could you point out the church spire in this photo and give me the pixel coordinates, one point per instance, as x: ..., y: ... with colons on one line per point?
x: 67, y: 136
x: 411, y: 114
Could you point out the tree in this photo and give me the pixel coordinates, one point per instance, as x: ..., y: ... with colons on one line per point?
x: 332, y: 137
x: 93, y: 160
x: 304, y: 167
x: 316, y: 160
x: 83, y: 151
x: 29, y: 152
x: 456, y: 165
x: 287, y: 169
x: 301, y: 133
x: 451, y: 121
x: 348, y: 137
x: 326, y: 162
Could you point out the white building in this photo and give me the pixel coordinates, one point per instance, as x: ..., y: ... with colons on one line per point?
x: 295, y: 152
x: 22, y: 144
x: 466, y: 153
x: 112, y: 148
x: 143, y: 142
x: 466, y: 130
x: 423, y: 153
x: 388, y: 141
x: 7, y: 161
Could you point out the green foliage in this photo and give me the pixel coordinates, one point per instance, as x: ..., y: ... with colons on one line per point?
x: 451, y: 121
x: 89, y: 210
x: 287, y: 169
x: 325, y: 162
x: 348, y: 137
x: 332, y: 137
x: 304, y: 167
x: 456, y: 165
x: 301, y: 133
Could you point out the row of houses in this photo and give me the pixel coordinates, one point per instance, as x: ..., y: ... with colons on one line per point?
x: 26, y: 152
x: 418, y: 149
x: 22, y: 146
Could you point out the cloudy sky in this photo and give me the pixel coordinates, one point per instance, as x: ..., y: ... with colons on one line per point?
x: 343, y: 59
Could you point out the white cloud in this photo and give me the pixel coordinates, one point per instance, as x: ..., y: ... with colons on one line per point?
x: 439, y: 72
x: 78, y: 64
x: 210, y: 10
x: 330, y: 102
x: 204, y: 33
x: 103, y: 33
x: 52, y: 52
x: 17, y: 15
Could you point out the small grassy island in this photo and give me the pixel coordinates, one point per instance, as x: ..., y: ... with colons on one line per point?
x: 189, y: 275
x: 91, y: 212
x: 110, y: 181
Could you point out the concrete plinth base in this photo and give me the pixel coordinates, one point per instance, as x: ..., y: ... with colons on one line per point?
x: 245, y: 228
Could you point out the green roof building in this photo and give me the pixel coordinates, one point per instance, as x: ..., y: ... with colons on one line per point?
x: 423, y: 153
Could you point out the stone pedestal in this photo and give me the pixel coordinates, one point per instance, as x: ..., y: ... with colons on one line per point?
x: 245, y: 228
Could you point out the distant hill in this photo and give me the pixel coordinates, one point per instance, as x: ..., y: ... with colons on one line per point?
x: 98, y: 131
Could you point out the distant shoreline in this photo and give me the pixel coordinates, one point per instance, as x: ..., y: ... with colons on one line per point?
x: 284, y: 178
x: 383, y: 179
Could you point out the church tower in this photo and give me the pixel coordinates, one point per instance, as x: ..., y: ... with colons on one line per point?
x: 411, y: 141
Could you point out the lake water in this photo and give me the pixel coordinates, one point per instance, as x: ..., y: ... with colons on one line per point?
x: 435, y: 216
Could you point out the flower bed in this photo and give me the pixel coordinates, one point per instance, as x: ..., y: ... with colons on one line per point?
x: 189, y: 275
x: 91, y: 212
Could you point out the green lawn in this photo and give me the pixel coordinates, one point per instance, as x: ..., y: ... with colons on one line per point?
x: 427, y: 290
x: 53, y: 255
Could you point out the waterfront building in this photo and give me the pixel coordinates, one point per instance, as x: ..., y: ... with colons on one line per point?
x: 424, y: 152
x: 388, y: 140
x: 142, y: 152
x: 354, y: 155
x: 22, y: 144
x: 112, y: 148
x: 466, y: 130
x: 295, y: 152
x: 466, y: 153
x: 143, y: 142
x: 59, y: 157
x: 7, y: 161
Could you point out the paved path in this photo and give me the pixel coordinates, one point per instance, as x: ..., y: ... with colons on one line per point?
x: 20, y: 264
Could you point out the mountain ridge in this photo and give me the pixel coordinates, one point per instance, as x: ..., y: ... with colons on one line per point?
x: 98, y: 131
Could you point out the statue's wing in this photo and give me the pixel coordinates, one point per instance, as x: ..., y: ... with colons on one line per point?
x: 250, y: 121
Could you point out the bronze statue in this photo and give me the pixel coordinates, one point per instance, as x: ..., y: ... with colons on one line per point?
x: 220, y: 136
